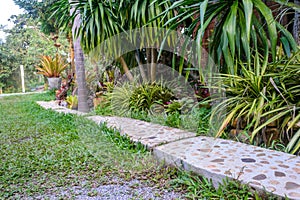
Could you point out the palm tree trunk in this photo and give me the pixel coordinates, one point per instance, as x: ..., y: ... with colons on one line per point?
x: 148, y: 55
x: 79, y: 65
x: 126, y: 69
x: 138, y: 60
x: 72, y: 53
x: 153, y: 64
x: 296, y: 27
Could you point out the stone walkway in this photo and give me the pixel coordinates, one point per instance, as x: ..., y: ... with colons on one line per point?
x: 214, y: 158
x: 13, y: 94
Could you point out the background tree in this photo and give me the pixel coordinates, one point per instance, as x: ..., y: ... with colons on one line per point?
x: 39, y: 10
x: 26, y: 43
x: 6, y: 65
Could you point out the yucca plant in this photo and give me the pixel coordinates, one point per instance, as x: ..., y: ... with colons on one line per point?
x: 294, y: 144
x: 51, y: 67
x: 119, y: 98
x: 261, y: 95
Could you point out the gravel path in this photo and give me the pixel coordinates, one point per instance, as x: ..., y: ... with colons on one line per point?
x: 122, y: 190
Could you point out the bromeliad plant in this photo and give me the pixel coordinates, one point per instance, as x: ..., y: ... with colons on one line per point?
x: 72, y: 102
x: 52, y: 67
x: 261, y: 95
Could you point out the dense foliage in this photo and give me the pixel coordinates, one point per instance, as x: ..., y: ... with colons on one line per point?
x: 251, y: 42
x: 244, y: 38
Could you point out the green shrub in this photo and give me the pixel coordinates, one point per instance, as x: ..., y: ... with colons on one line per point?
x: 173, y: 120
x: 145, y: 95
x: 263, y: 94
x: 156, y: 103
x: 103, y: 110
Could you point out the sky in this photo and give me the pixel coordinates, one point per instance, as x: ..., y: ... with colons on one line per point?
x: 7, y: 8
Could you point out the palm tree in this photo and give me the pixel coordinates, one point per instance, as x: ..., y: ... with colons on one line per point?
x: 99, y: 23
x: 239, y: 28
x: 117, y: 17
x: 79, y: 63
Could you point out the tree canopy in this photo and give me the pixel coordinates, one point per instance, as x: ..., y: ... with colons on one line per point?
x: 24, y: 45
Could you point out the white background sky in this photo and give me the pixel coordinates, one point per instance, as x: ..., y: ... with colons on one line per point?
x: 7, y: 8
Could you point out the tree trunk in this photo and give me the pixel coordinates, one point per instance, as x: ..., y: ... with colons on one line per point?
x: 296, y: 27
x: 148, y: 56
x: 153, y: 64
x: 141, y: 67
x: 79, y: 65
x: 72, y: 53
x: 126, y: 69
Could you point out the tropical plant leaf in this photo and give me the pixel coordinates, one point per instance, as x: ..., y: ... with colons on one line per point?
x: 294, y: 144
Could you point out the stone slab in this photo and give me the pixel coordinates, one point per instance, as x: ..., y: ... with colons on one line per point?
x: 216, y: 159
x: 49, y: 105
x: 150, y: 135
x: 54, y: 106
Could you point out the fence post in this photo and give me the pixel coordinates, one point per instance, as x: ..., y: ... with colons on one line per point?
x: 22, y: 78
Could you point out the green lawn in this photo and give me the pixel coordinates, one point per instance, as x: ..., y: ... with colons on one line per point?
x: 43, y: 152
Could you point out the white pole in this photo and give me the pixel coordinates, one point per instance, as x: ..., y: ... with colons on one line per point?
x: 22, y: 78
